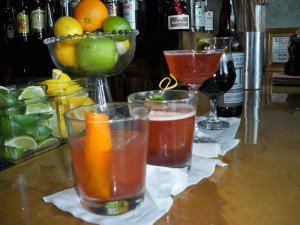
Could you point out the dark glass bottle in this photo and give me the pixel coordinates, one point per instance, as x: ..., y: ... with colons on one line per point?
x: 208, y: 16
x: 231, y: 103
x: 38, y: 20
x: 22, y: 19
x: 178, y: 16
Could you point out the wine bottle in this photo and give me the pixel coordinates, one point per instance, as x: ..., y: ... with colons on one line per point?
x: 38, y: 21
x: 22, y: 18
x: 178, y: 17
x: 231, y: 103
x: 112, y: 7
x: 208, y: 17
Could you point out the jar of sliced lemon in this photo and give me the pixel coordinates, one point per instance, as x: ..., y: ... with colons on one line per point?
x: 68, y: 93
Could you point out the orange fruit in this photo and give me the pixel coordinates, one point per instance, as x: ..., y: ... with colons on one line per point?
x: 90, y: 14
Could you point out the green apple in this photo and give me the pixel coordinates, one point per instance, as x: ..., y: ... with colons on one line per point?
x: 96, y: 55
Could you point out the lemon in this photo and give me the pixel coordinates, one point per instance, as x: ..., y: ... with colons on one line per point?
x: 64, y: 77
x: 77, y: 99
x: 71, y: 88
x: 56, y: 73
x: 23, y: 142
x: 88, y: 101
x: 65, y: 54
x: 32, y: 92
x: 40, y: 107
x: 48, y: 142
x: 65, y: 26
x: 123, y: 47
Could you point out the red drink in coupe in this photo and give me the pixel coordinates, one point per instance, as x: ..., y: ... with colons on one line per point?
x: 171, y: 136
x: 192, y: 67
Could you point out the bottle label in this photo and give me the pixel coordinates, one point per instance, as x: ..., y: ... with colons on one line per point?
x: 209, y: 20
x: 178, y: 22
x: 37, y: 19
x: 199, y: 17
x: 235, y: 95
x: 10, y: 32
x: 129, y: 12
x: 23, y: 23
x: 112, y: 8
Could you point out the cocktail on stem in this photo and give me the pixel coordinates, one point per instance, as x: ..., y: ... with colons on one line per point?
x: 193, y: 67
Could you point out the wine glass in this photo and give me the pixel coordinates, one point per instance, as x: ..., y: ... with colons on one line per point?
x: 193, y: 67
x: 92, y: 64
x: 219, y: 83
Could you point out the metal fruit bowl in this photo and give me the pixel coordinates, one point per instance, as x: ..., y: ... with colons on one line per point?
x: 85, y: 55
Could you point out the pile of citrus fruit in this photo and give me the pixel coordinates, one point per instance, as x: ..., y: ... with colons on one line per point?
x: 98, y: 54
x: 28, y: 122
x: 68, y: 94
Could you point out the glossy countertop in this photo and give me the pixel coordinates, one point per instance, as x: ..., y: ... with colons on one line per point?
x: 260, y: 185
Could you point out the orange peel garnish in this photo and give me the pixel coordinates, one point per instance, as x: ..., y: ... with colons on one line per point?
x: 97, y: 158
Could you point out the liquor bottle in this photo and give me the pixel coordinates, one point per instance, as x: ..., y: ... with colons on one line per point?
x: 22, y: 18
x: 38, y: 21
x: 208, y: 18
x: 112, y: 7
x: 64, y: 8
x: 7, y: 24
x: 178, y: 16
x: 129, y: 12
x: 198, y: 16
x: 50, y: 18
x: 231, y: 103
x: 72, y: 5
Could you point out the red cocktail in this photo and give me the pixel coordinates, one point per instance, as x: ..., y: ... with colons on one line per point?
x: 171, y: 126
x: 193, y: 67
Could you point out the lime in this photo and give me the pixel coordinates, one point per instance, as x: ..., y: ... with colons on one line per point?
x: 38, y: 132
x: 115, y: 24
x: 203, y: 44
x: 32, y: 92
x: 40, y: 107
x: 24, y: 142
x: 98, y: 55
x: 12, y: 111
x: 48, y: 142
x: 4, y: 90
x: 9, y: 128
x: 156, y: 97
x: 26, y: 120
x: 46, y: 116
x: 7, y: 99
x: 53, y: 125
x: 12, y: 153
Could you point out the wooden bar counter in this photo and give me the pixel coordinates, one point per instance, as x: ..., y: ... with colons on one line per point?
x: 260, y: 185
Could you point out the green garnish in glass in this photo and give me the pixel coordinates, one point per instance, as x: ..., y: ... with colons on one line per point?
x: 156, y: 97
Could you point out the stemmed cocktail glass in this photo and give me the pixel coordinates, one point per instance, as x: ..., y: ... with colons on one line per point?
x: 193, y: 67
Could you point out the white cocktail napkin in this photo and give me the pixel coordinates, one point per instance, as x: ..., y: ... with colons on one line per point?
x: 224, y: 139
x: 161, y: 183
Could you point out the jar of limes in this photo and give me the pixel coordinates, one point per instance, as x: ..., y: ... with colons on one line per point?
x: 28, y: 123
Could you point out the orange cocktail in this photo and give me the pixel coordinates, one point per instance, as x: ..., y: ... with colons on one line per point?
x: 105, y: 140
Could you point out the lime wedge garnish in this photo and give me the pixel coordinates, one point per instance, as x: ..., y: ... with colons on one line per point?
x: 48, y: 142
x: 38, y: 132
x: 40, y: 107
x: 9, y: 128
x: 202, y: 44
x: 7, y: 99
x: 24, y: 142
x: 32, y: 92
x: 156, y: 97
x: 12, y: 153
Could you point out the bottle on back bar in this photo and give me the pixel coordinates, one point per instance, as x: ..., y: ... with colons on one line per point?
x: 208, y: 17
x: 178, y: 17
x: 38, y: 21
x: 129, y: 12
x: 199, y: 16
x: 231, y: 103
